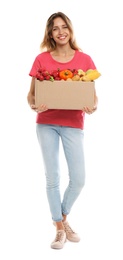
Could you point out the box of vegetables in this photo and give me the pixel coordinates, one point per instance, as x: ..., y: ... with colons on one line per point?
x: 65, y: 89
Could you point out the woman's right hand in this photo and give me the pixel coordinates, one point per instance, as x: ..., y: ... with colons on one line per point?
x: 39, y: 109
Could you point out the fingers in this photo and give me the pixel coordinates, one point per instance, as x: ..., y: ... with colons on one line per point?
x: 88, y: 110
x: 39, y: 109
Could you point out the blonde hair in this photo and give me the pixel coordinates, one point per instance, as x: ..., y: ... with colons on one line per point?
x: 48, y: 43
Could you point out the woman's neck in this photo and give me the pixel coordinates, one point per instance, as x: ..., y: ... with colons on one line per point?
x: 63, y: 54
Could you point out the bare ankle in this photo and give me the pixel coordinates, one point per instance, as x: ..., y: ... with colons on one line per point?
x: 64, y: 217
x: 59, y: 225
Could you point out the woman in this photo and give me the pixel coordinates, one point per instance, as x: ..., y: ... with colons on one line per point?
x: 61, y: 51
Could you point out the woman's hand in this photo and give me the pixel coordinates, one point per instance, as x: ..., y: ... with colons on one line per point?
x: 88, y: 110
x: 39, y: 109
x: 31, y: 99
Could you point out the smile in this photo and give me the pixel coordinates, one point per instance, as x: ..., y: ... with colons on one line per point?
x: 62, y: 37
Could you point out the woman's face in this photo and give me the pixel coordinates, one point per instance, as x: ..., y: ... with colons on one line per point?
x: 60, y: 32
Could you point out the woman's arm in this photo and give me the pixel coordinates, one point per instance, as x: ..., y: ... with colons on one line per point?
x: 31, y: 94
x: 31, y: 98
x: 87, y: 109
x: 95, y: 100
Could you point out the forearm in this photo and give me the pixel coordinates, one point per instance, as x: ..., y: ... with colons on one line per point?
x: 95, y: 100
x: 30, y: 98
x: 31, y: 94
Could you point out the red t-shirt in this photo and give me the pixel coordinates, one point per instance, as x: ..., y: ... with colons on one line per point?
x: 71, y: 118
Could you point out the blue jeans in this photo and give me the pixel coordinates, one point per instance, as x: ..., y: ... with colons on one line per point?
x: 72, y: 141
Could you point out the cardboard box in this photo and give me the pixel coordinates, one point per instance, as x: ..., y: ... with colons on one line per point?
x: 64, y: 94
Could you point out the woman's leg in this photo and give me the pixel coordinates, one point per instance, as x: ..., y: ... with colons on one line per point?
x: 72, y: 140
x: 48, y: 137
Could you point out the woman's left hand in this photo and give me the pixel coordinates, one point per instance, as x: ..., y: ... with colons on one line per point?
x: 88, y: 110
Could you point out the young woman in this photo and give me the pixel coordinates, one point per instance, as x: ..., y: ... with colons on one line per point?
x: 59, y: 50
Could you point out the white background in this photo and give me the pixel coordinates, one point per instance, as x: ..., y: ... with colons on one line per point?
x: 26, y: 229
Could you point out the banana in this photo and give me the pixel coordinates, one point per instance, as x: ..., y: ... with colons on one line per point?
x: 92, y: 75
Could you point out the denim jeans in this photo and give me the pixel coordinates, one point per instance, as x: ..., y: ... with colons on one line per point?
x: 49, y: 137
